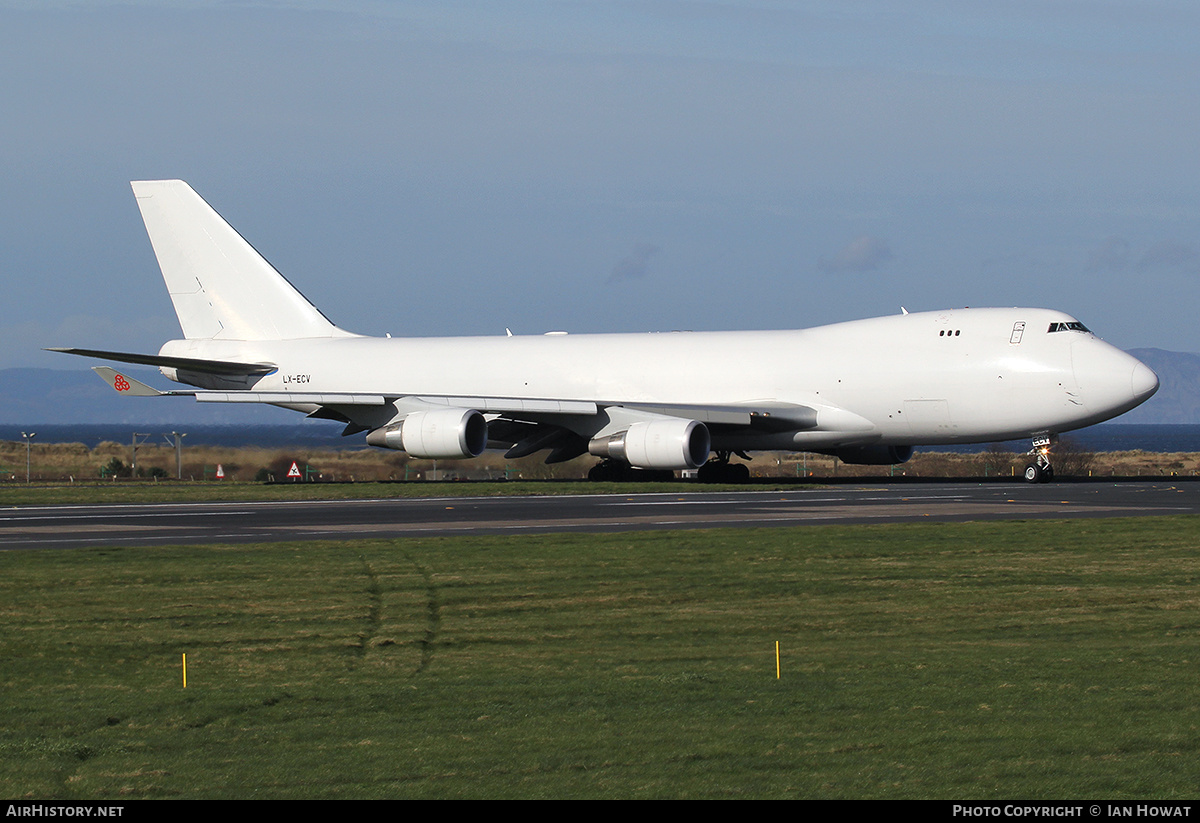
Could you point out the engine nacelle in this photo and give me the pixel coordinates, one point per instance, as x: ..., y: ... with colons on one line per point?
x: 872, y: 455
x: 441, y: 433
x: 657, y: 444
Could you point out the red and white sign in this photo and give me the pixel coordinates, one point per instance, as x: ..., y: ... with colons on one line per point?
x: 294, y: 471
x: 220, y: 472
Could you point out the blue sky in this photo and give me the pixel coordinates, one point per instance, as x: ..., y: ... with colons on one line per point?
x: 432, y: 168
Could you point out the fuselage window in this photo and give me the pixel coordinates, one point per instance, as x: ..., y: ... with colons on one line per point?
x: 1076, y: 326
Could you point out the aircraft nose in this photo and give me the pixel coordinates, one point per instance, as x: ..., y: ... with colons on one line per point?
x: 1144, y: 383
x: 1111, y: 381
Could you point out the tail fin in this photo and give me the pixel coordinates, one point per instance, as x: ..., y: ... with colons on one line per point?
x: 221, y: 287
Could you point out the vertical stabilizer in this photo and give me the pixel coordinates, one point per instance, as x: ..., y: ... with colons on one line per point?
x: 221, y: 287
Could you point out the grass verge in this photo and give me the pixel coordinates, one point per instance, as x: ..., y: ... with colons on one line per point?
x: 174, y: 492
x: 972, y: 661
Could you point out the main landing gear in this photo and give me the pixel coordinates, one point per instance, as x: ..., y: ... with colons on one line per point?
x: 717, y: 470
x: 619, y: 471
x: 1040, y: 470
x: 720, y: 470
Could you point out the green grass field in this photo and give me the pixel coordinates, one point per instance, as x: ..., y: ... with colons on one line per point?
x: 968, y: 661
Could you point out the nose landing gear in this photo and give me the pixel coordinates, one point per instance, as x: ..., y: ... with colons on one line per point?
x: 1040, y: 470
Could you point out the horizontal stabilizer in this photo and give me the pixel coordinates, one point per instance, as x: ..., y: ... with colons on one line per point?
x: 191, y: 364
x: 127, y: 385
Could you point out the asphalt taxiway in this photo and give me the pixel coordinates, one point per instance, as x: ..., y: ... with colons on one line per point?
x: 227, y: 523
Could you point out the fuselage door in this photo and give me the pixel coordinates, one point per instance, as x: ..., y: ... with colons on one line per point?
x: 1017, y: 332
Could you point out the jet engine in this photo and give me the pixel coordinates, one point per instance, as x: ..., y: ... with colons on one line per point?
x: 441, y: 433
x: 872, y: 455
x: 669, y: 443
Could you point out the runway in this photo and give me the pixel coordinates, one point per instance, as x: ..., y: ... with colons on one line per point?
x: 231, y: 523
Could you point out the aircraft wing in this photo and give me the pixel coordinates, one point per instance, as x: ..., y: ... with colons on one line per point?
x: 487, y: 405
x: 125, y: 384
x: 522, y: 425
x: 764, y: 416
x: 221, y: 367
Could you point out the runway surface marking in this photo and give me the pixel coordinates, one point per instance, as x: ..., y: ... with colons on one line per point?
x: 229, y: 522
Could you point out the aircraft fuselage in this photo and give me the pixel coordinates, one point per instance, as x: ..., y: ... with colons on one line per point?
x: 959, y: 376
x: 866, y: 390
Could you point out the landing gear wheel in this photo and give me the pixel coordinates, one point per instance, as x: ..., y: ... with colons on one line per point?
x: 612, y: 471
x: 720, y: 470
x: 617, y: 471
x: 1040, y: 470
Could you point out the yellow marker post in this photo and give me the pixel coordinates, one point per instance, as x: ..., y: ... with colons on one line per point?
x: 185, y: 670
x: 776, y: 659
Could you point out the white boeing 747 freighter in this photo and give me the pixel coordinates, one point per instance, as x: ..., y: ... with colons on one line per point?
x: 867, y: 391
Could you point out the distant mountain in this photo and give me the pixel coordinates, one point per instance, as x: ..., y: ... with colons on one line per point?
x: 52, y: 396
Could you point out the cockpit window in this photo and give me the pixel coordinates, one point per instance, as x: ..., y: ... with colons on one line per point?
x: 1069, y: 327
